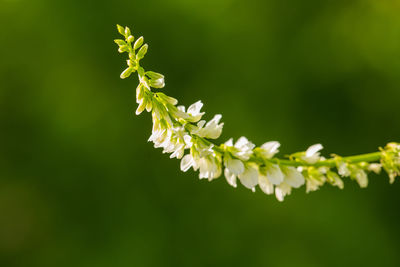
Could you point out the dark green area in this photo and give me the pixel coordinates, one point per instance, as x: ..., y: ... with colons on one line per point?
x: 81, y: 186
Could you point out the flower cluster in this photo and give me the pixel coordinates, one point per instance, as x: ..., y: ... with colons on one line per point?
x: 184, y: 135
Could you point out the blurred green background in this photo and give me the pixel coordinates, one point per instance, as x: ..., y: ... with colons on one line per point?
x: 81, y: 186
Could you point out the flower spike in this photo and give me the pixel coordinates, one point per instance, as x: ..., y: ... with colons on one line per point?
x: 182, y: 133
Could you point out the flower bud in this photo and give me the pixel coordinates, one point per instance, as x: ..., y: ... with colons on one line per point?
x: 126, y: 73
x: 120, y: 42
x: 154, y: 75
x: 127, y: 32
x: 141, y: 107
x: 123, y: 49
x: 158, y: 83
x: 142, y: 51
x: 130, y: 38
x: 121, y: 29
x: 138, y: 43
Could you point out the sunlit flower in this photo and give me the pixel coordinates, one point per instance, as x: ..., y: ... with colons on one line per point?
x: 211, y: 129
x: 312, y: 154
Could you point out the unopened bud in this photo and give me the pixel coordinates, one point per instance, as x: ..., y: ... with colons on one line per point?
x: 126, y: 73
x: 130, y: 38
x: 121, y: 29
x: 138, y: 43
x: 142, y: 51
x: 127, y: 32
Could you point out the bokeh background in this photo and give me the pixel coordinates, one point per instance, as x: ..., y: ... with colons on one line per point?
x: 81, y: 186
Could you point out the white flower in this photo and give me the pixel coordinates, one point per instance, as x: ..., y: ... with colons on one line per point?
x: 269, y: 176
x: 249, y: 178
x: 361, y: 178
x: 266, y: 186
x: 293, y: 178
x: 212, y: 129
x: 282, y: 190
x: 269, y: 149
x: 187, y: 162
x: 313, y: 184
x: 343, y: 169
x: 274, y: 174
x: 312, y: 154
x: 242, y: 149
x: 230, y: 177
x: 235, y: 166
x: 375, y: 167
x: 209, y: 168
x: 194, y: 159
x: 194, y: 112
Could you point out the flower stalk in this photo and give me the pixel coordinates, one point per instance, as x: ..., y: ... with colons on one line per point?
x: 182, y: 133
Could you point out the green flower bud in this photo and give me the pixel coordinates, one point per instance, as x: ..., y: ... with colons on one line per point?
x: 142, y: 52
x: 120, y: 42
x: 126, y: 73
x: 130, y: 38
x: 154, y: 75
x: 121, y: 29
x: 138, y: 43
x: 142, y: 106
x: 127, y: 32
x: 123, y: 49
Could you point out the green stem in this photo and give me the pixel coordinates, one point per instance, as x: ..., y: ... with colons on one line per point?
x: 369, y: 157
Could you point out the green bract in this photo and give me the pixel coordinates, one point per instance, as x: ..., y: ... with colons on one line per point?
x: 179, y: 130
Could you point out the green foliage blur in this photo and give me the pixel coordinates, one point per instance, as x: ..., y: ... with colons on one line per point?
x: 81, y: 186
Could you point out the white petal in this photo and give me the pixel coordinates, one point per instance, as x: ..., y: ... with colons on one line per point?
x: 242, y: 141
x: 266, y: 186
x: 313, y: 149
x: 229, y: 142
x: 201, y: 123
x: 181, y: 108
x: 230, y: 178
x: 186, y: 162
x: 362, y: 178
x: 249, y: 178
x: 274, y: 174
x: 293, y: 177
x: 235, y: 166
x: 282, y: 190
x: 271, y: 148
x: 195, y: 108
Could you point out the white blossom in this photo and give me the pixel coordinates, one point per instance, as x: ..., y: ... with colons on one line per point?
x: 361, y: 178
x: 269, y: 149
x: 242, y: 149
x: 209, y: 168
x: 194, y: 111
x: 312, y: 154
x: 230, y: 177
x: 282, y: 190
x: 211, y: 129
x: 249, y: 178
x: 293, y: 178
x: 266, y: 186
